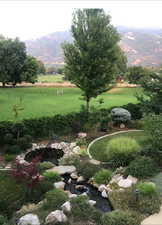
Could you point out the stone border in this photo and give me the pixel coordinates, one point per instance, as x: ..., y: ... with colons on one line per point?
x: 107, y: 135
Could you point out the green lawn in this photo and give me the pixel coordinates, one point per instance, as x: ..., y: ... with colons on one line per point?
x: 44, y: 101
x: 50, y: 78
x: 98, y: 149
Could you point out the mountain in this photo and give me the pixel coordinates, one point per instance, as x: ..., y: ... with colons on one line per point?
x: 142, y: 46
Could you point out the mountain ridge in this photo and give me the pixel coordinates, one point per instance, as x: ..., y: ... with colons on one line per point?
x: 142, y: 46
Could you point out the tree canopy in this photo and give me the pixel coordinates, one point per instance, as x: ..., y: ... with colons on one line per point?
x: 15, y: 65
x: 136, y: 74
x: 152, y: 99
x: 90, y: 61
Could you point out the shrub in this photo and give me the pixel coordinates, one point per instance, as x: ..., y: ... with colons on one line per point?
x: 52, y: 176
x: 3, y: 220
x: 87, y: 169
x: 24, y: 142
x: 81, y: 210
x: 142, y: 167
x: 134, y: 109
x: 147, y: 188
x: 14, y: 149
x: 45, y: 166
x: 153, y: 128
x: 8, y: 138
x: 38, y: 193
x: 70, y: 160
x: 118, y: 217
x: 9, y: 157
x: 149, y: 204
x: 121, y: 150
x: 12, y: 194
x: 103, y: 176
x: 120, y: 115
x: 54, y: 199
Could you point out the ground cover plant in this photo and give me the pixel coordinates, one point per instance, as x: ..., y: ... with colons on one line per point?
x: 99, y: 148
x: 38, y: 102
x: 120, y: 151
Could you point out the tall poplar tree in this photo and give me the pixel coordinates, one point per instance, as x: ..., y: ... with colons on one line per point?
x: 90, y: 61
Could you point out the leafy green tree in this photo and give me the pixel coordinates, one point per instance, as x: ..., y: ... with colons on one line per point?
x: 41, y: 69
x: 30, y: 70
x: 12, y: 59
x: 137, y: 73
x: 90, y: 59
x: 151, y: 101
x: 121, y: 65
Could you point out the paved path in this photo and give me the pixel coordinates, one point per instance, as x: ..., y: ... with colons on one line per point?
x: 155, y: 219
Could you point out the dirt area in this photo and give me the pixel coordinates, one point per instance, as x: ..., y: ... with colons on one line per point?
x: 68, y: 84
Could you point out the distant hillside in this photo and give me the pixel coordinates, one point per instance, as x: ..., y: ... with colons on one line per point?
x: 141, y: 46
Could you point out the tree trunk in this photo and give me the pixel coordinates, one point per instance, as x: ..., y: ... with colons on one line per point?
x: 87, y: 104
x: 3, y: 83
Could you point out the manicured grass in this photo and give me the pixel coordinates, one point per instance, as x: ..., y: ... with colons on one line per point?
x: 50, y: 78
x: 44, y: 101
x: 98, y: 149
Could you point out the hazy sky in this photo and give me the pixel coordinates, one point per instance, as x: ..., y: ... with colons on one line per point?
x: 32, y: 19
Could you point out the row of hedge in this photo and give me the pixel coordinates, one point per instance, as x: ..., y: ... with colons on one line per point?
x: 59, y: 124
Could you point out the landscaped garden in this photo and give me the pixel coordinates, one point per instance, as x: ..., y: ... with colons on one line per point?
x: 62, y: 164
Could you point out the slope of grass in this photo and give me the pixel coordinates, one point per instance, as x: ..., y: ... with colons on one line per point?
x: 98, y: 149
x: 38, y: 102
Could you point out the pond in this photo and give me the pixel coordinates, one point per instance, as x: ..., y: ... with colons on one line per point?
x: 102, y: 204
x: 45, y: 154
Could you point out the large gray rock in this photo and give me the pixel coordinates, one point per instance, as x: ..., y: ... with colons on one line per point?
x: 29, y: 219
x: 56, y: 216
x: 92, y: 203
x: 66, y: 207
x: 59, y: 185
x: 125, y: 183
x: 63, y: 169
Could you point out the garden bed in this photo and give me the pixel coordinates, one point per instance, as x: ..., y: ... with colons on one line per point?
x: 97, y: 148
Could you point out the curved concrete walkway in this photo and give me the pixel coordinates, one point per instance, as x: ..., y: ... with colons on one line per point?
x: 155, y: 219
x: 107, y: 135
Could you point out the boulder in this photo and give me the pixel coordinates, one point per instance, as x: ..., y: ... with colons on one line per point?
x: 72, y: 195
x: 74, y: 176
x: 66, y: 207
x: 59, y: 185
x: 116, y: 178
x: 104, y: 194
x: 133, y: 179
x: 73, y: 144
x: 69, y: 181
x: 92, y: 203
x: 29, y: 219
x: 80, y: 179
x: 82, y: 135
x: 63, y: 169
x: 125, y: 183
x: 56, y: 216
x: 102, y: 187
x: 122, y: 125
x: 56, y: 146
x: 76, y: 149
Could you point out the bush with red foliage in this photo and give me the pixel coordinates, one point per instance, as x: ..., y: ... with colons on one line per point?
x: 27, y: 173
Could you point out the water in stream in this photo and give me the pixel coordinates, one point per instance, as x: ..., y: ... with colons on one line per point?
x: 102, y: 204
